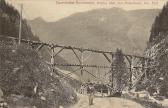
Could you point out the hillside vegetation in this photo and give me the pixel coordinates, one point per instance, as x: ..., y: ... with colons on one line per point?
x: 9, y: 22
x: 26, y: 79
x: 157, y: 50
x: 9, y: 26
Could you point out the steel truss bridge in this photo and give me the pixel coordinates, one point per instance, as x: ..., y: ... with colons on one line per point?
x: 137, y: 65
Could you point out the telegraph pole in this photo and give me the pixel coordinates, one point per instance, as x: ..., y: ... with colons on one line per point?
x: 20, y: 26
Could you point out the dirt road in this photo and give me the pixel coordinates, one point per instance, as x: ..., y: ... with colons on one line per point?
x: 107, y: 102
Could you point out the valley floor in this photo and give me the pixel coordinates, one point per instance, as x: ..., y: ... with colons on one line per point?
x: 106, y: 102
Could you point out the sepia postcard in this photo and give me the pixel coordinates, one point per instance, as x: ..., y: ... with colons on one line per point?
x: 83, y: 53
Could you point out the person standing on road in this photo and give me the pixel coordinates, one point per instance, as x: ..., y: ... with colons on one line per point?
x: 91, y: 91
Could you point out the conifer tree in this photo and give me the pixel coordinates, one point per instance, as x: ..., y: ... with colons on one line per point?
x: 120, y: 75
x: 158, y: 39
x: 160, y: 26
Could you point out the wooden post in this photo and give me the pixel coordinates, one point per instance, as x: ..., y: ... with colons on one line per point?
x: 112, y: 74
x: 81, y: 63
x: 52, y: 60
x: 29, y: 44
x: 101, y: 91
x: 20, y: 26
x: 98, y: 69
x: 145, y: 69
x: 131, y: 67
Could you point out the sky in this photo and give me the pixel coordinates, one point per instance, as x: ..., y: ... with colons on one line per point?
x: 53, y: 10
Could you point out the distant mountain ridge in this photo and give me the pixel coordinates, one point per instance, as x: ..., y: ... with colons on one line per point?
x: 100, y: 28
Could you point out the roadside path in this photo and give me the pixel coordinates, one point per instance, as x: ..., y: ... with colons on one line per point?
x: 106, y: 102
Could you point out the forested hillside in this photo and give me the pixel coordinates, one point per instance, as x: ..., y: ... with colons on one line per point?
x: 9, y: 22
x: 157, y: 50
x: 9, y: 26
x: 26, y: 80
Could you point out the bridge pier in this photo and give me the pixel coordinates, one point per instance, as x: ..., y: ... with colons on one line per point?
x: 146, y: 65
x: 112, y: 74
x: 52, y: 60
x: 130, y: 62
x: 81, y: 62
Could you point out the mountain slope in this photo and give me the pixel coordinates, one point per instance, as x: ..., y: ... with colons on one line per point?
x: 9, y: 22
x: 9, y: 26
x: 113, y: 28
x: 26, y: 80
x: 157, y: 50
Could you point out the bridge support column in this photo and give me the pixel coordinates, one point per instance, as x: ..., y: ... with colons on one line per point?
x: 144, y: 65
x: 82, y: 62
x: 112, y: 74
x: 131, y: 69
x: 52, y: 60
